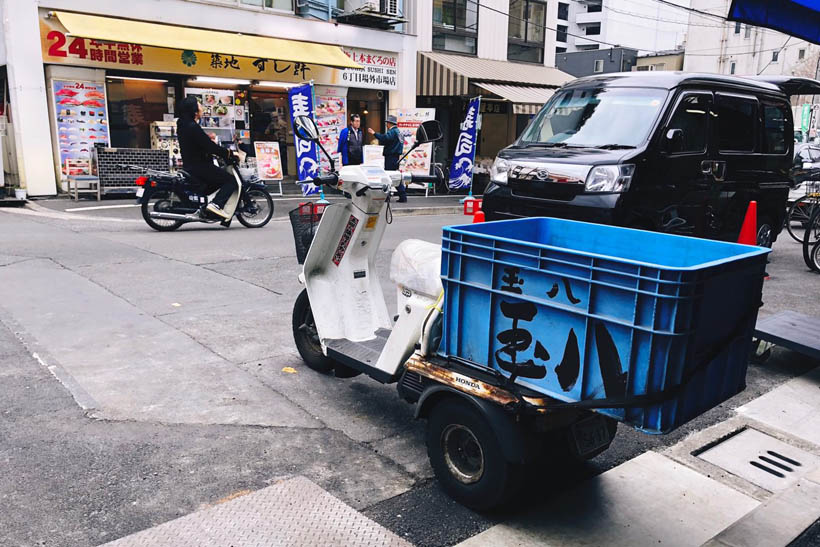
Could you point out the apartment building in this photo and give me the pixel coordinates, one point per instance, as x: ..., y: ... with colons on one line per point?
x: 728, y: 47
x: 644, y: 25
x: 502, y: 50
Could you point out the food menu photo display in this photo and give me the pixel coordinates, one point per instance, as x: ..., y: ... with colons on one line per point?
x: 218, y: 110
x: 331, y: 117
x: 82, y: 121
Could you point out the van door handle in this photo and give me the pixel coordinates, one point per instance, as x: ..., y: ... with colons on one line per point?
x: 706, y: 167
x: 719, y: 170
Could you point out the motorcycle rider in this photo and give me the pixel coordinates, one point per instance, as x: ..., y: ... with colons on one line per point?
x: 197, y: 151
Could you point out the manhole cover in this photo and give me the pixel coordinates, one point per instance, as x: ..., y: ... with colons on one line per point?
x: 761, y: 459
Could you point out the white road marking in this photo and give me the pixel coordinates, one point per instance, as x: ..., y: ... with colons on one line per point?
x: 100, y: 207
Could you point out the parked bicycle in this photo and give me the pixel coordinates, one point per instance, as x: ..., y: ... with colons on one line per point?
x: 811, y: 241
x: 800, y: 212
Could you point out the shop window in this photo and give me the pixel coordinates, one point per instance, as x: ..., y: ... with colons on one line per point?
x: 286, y: 5
x: 774, y: 130
x: 737, y: 120
x: 563, y: 11
x: 132, y: 106
x: 455, y: 26
x: 526, y: 31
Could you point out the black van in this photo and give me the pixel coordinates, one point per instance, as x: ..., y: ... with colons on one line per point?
x: 668, y: 151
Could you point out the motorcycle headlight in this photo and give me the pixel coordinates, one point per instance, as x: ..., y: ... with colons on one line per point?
x: 609, y: 178
x: 499, y: 170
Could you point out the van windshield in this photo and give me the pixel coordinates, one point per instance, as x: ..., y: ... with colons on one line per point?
x: 596, y: 117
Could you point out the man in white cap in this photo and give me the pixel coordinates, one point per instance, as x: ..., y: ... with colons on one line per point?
x: 393, y: 147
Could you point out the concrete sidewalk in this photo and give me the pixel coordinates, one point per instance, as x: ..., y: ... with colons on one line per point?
x: 740, y: 483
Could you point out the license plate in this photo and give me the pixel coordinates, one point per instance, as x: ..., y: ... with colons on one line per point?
x: 590, y: 434
x: 140, y: 192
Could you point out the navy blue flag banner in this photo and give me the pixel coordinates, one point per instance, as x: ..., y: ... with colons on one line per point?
x: 307, y: 153
x: 461, y: 171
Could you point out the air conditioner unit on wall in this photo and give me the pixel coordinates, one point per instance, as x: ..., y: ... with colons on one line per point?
x: 390, y: 7
x: 372, y: 6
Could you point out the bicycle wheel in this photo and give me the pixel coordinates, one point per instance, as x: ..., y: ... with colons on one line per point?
x: 811, y: 237
x: 799, y: 214
x: 814, y: 257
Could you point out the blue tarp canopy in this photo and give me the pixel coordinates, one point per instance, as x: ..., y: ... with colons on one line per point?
x: 798, y: 18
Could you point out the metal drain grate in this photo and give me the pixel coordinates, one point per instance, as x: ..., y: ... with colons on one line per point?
x: 761, y: 459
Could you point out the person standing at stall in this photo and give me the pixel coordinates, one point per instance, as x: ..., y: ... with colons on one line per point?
x: 350, y: 142
x: 393, y: 147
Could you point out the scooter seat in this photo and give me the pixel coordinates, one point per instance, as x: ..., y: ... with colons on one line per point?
x: 416, y: 265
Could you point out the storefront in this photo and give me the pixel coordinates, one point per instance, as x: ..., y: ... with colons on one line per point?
x: 511, y: 93
x: 123, y: 94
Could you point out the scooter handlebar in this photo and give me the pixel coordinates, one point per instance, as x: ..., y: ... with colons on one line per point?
x: 330, y: 180
x: 424, y: 178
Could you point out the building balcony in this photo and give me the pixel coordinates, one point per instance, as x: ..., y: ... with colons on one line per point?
x: 587, y: 18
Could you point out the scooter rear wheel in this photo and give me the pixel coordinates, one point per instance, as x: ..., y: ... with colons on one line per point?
x: 160, y: 201
x: 306, y: 337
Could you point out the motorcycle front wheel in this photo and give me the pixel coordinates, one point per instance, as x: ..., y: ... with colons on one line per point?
x: 256, y: 210
x: 161, y: 201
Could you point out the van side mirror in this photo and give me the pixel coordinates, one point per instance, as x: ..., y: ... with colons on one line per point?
x: 673, y: 141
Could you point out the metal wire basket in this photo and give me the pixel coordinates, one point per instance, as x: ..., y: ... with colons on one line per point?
x: 304, y: 220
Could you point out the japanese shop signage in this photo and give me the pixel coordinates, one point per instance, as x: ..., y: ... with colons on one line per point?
x: 461, y: 171
x: 300, y: 101
x: 380, y: 70
x: 82, y: 122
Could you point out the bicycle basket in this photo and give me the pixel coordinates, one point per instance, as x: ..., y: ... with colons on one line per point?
x: 304, y: 220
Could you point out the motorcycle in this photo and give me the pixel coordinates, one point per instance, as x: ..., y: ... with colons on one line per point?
x: 169, y: 200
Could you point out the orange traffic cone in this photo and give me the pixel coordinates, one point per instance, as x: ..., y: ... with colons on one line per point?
x: 478, y: 216
x: 748, y: 232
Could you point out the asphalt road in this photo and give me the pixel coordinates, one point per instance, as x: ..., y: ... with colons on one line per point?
x: 83, y: 476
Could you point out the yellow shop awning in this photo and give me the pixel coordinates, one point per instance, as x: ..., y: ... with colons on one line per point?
x: 210, y: 41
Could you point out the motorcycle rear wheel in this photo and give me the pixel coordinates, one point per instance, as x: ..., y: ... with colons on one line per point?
x: 257, y: 209
x: 158, y: 201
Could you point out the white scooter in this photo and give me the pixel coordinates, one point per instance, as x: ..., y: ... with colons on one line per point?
x: 481, y: 430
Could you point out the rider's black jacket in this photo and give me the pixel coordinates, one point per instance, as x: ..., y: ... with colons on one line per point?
x: 195, y: 145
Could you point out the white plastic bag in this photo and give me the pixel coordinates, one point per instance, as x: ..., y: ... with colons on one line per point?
x: 416, y: 265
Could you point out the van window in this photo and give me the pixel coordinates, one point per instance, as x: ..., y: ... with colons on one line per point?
x: 774, y: 130
x: 737, y: 120
x: 691, y: 117
x: 599, y: 116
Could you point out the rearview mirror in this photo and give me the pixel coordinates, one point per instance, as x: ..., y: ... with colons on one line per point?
x: 306, y: 129
x: 429, y: 131
x: 674, y: 140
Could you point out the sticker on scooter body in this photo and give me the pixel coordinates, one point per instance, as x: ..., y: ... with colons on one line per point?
x: 347, y: 235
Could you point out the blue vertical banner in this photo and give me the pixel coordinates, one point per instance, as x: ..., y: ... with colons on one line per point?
x: 461, y: 171
x: 300, y: 100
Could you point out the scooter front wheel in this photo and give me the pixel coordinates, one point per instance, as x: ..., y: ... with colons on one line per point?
x: 257, y: 209
x: 307, y: 338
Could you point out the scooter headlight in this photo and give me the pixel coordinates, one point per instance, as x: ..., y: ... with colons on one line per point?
x: 499, y: 170
x: 609, y: 178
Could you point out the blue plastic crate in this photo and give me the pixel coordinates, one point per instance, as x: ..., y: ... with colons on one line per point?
x: 584, y: 312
